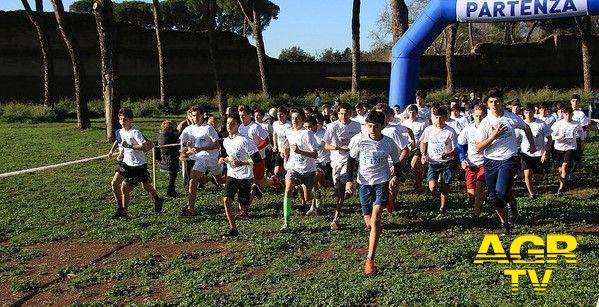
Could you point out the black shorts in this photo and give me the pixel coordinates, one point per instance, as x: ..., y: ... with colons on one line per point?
x: 136, y: 174
x: 241, y: 187
x: 564, y: 156
x: 414, y: 153
x: 531, y: 163
x: 279, y: 160
x: 326, y: 169
x: 120, y: 167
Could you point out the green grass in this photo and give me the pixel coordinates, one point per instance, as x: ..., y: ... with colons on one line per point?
x: 422, y: 260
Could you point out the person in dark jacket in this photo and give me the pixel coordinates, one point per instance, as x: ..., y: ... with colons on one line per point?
x: 168, y: 157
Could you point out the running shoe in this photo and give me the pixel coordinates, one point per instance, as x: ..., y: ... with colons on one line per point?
x: 369, y: 268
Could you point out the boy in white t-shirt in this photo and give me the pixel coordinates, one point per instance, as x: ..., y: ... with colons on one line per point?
x: 336, y: 138
x: 417, y: 125
x: 117, y: 179
x: 241, y: 154
x: 134, y: 161
x: 438, y: 146
x: 278, y: 133
x: 472, y: 161
x: 579, y: 116
x: 566, y: 133
x: 533, y: 163
x: 323, y: 162
x: 372, y: 150
x: 200, y: 142
x: 301, y: 163
x: 496, y: 138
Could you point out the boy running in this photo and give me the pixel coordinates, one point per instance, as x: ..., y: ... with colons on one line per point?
x: 323, y: 162
x: 565, y: 132
x: 336, y: 139
x: 372, y: 150
x: 134, y: 162
x: 472, y: 161
x: 533, y: 164
x: 203, y: 141
x: 417, y: 125
x: 241, y: 154
x: 301, y: 163
x: 250, y: 129
x: 438, y: 147
x: 279, y: 128
x: 496, y: 138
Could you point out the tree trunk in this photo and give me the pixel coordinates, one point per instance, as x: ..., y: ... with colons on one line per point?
x: 471, y: 37
x: 533, y: 26
x: 355, y: 30
x: 399, y: 18
x: 83, y: 121
x: 584, y: 27
x: 161, y: 64
x: 221, y: 96
x: 42, y: 35
x: 103, y: 11
x: 450, y: 33
x: 262, y: 65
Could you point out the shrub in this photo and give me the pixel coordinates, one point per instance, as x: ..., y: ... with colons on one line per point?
x: 28, y: 113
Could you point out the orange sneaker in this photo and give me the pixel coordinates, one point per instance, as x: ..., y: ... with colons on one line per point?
x: 369, y: 268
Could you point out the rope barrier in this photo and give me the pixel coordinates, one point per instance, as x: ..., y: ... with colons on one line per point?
x: 43, y: 168
x: 47, y: 167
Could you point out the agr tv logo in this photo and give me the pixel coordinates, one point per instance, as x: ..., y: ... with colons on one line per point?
x: 537, y: 254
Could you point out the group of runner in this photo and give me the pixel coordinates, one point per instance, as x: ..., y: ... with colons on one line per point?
x: 356, y: 148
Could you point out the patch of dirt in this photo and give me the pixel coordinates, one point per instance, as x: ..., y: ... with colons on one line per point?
x: 418, y: 253
x: 159, y: 293
x: 360, y: 251
x: 164, y: 250
x: 256, y: 272
x: 308, y: 272
x: 324, y: 255
x: 594, y: 229
x: 583, y: 193
x: 57, y: 256
x: 434, y: 270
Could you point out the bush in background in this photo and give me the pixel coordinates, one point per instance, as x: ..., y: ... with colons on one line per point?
x: 65, y: 109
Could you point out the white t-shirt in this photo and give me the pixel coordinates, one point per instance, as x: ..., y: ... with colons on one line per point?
x: 201, y: 136
x: 439, y: 141
x: 571, y: 131
x: 417, y: 127
x: 360, y: 119
x: 424, y: 113
x: 548, y: 120
x: 505, y: 146
x: 324, y: 156
x: 579, y: 116
x: 239, y: 148
x: 256, y: 133
x: 373, y: 156
x: 468, y: 137
x: 540, y: 132
x: 338, y: 134
x: 457, y: 125
x: 132, y: 157
x: 279, y: 129
x: 305, y: 141
x: 268, y: 127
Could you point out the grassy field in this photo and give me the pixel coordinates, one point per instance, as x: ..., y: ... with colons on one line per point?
x: 57, y: 243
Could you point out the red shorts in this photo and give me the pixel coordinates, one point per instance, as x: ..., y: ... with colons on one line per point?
x: 473, y: 175
x: 259, y: 169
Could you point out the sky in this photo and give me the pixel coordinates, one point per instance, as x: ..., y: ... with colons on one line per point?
x: 314, y: 25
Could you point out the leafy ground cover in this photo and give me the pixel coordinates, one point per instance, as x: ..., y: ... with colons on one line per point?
x: 57, y: 243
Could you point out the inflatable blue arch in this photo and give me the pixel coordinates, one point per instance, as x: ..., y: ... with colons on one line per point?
x: 405, y: 62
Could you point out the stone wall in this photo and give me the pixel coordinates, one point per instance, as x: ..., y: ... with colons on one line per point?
x: 554, y: 61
